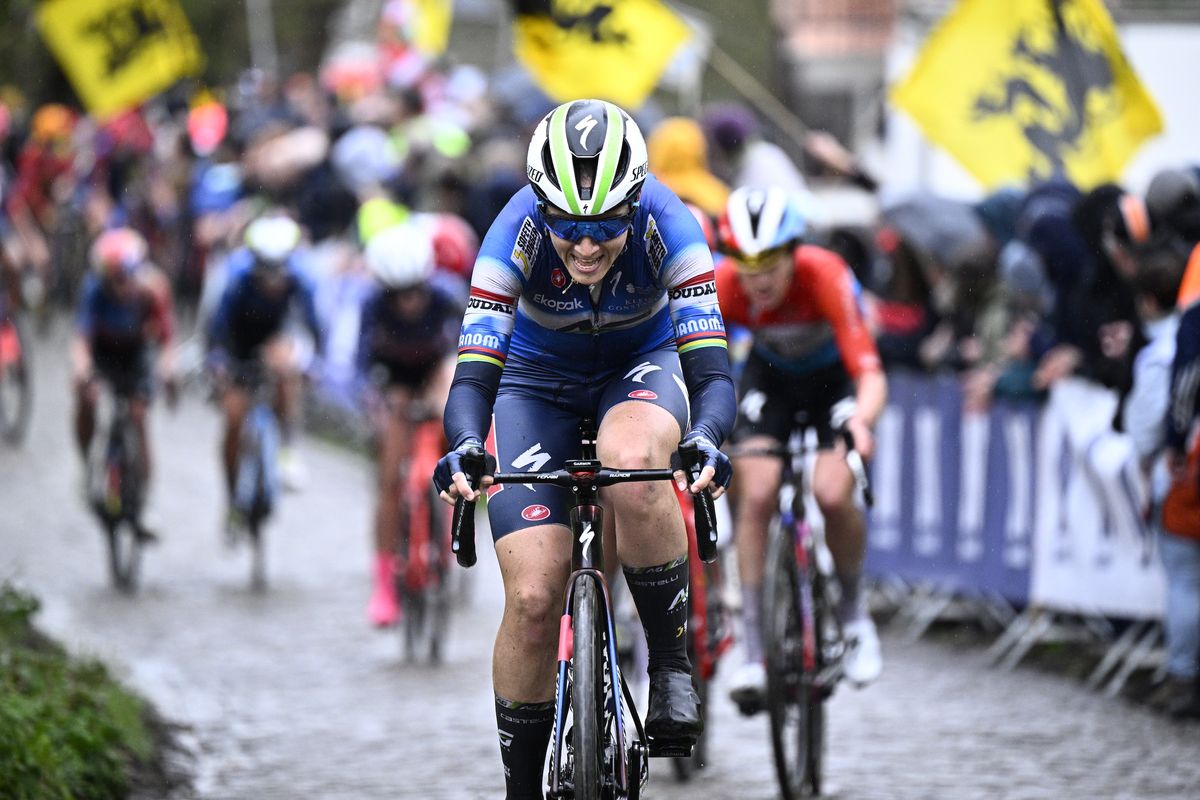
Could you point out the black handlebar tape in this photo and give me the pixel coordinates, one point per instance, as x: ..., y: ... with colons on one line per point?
x: 462, y: 538
x: 702, y: 504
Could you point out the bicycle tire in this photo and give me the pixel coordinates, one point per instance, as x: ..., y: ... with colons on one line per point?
x: 16, y: 386
x: 124, y: 554
x: 822, y: 622
x: 788, y: 687
x: 439, y: 575
x: 587, y: 687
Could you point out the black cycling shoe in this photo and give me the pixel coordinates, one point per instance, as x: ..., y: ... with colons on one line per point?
x: 674, y: 713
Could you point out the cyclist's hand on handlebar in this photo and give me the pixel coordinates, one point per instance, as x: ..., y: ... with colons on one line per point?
x: 716, y: 472
x: 864, y: 438
x: 450, y: 478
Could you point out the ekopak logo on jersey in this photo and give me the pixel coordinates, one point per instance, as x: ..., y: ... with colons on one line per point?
x: 643, y: 394
x: 558, y: 278
x: 535, y: 513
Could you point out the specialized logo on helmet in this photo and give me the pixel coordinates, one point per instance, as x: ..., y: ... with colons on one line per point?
x: 585, y: 125
x: 535, y: 513
x: 643, y: 394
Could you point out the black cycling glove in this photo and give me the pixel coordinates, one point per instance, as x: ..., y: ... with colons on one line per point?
x: 452, y: 463
x: 710, y: 456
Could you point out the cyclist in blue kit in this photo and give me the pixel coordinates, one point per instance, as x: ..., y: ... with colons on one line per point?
x: 593, y: 297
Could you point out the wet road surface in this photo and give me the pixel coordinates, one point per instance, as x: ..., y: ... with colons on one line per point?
x: 289, y: 694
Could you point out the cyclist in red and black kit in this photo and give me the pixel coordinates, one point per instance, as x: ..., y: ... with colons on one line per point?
x: 123, y: 334
x: 811, y: 353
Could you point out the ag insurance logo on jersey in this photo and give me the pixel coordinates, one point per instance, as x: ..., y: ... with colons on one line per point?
x: 535, y: 513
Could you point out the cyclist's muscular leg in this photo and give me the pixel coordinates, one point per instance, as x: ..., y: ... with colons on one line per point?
x: 235, y: 404
x: 279, y: 356
x: 652, y: 543
x: 534, y: 563
x: 845, y: 524
x: 758, y: 491
x: 87, y: 393
x: 395, y: 437
x: 139, y: 410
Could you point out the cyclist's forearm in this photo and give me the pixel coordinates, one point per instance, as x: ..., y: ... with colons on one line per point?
x: 871, y: 396
x: 469, y: 406
x: 711, y: 393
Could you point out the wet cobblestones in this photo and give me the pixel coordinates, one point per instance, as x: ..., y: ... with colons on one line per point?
x: 290, y: 695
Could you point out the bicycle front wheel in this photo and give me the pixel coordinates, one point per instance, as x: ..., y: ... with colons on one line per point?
x: 587, y: 690
x: 790, y: 666
x: 124, y: 554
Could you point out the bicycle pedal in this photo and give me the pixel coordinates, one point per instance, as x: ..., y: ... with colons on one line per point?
x: 671, y: 748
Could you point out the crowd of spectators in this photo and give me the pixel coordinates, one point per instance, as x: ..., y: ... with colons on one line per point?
x: 1018, y: 291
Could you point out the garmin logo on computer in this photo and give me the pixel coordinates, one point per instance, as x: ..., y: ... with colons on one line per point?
x: 554, y: 304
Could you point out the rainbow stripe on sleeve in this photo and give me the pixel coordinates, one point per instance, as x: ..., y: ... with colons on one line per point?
x: 486, y: 327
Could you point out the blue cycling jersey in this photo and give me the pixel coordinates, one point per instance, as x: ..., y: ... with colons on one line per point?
x: 249, y: 314
x: 524, y: 310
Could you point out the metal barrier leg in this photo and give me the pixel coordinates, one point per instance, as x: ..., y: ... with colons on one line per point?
x: 1134, y: 660
x: 926, y: 614
x: 1015, y: 630
x: 1115, y: 653
x: 1040, y: 624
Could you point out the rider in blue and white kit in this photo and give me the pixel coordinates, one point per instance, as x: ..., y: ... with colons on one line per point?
x: 593, y: 296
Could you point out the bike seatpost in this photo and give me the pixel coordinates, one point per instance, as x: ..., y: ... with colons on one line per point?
x: 462, y: 538
x: 702, y: 503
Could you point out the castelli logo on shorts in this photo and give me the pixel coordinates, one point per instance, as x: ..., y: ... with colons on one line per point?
x: 643, y: 394
x: 534, y: 513
x: 558, y: 278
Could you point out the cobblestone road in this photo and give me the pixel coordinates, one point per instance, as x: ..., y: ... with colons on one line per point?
x: 289, y: 695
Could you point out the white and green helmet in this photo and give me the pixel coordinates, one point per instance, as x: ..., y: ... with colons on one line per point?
x: 587, y: 157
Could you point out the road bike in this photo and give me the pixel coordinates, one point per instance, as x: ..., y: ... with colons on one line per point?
x: 592, y: 756
x: 709, y: 635
x: 16, y: 374
x: 117, y: 492
x: 802, y: 635
x: 256, y: 489
x: 423, y: 555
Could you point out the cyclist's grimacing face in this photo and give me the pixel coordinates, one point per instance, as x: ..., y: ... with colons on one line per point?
x: 588, y: 261
x: 768, y: 286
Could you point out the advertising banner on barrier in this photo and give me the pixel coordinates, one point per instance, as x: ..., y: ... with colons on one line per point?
x: 953, y: 491
x: 1093, y: 553
x: 1029, y: 503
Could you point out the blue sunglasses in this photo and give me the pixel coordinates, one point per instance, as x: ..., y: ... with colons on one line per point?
x: 573, y: 229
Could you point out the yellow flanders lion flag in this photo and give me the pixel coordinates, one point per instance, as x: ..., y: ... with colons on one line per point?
x: 609, y: 49
x: 1028, y: 90
x: 118, y: 53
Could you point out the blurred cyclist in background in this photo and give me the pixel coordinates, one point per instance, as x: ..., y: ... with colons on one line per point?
x: 407, y: 334
x: 125, y: 312
x: 267, y: 278
x: 812, y: 353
